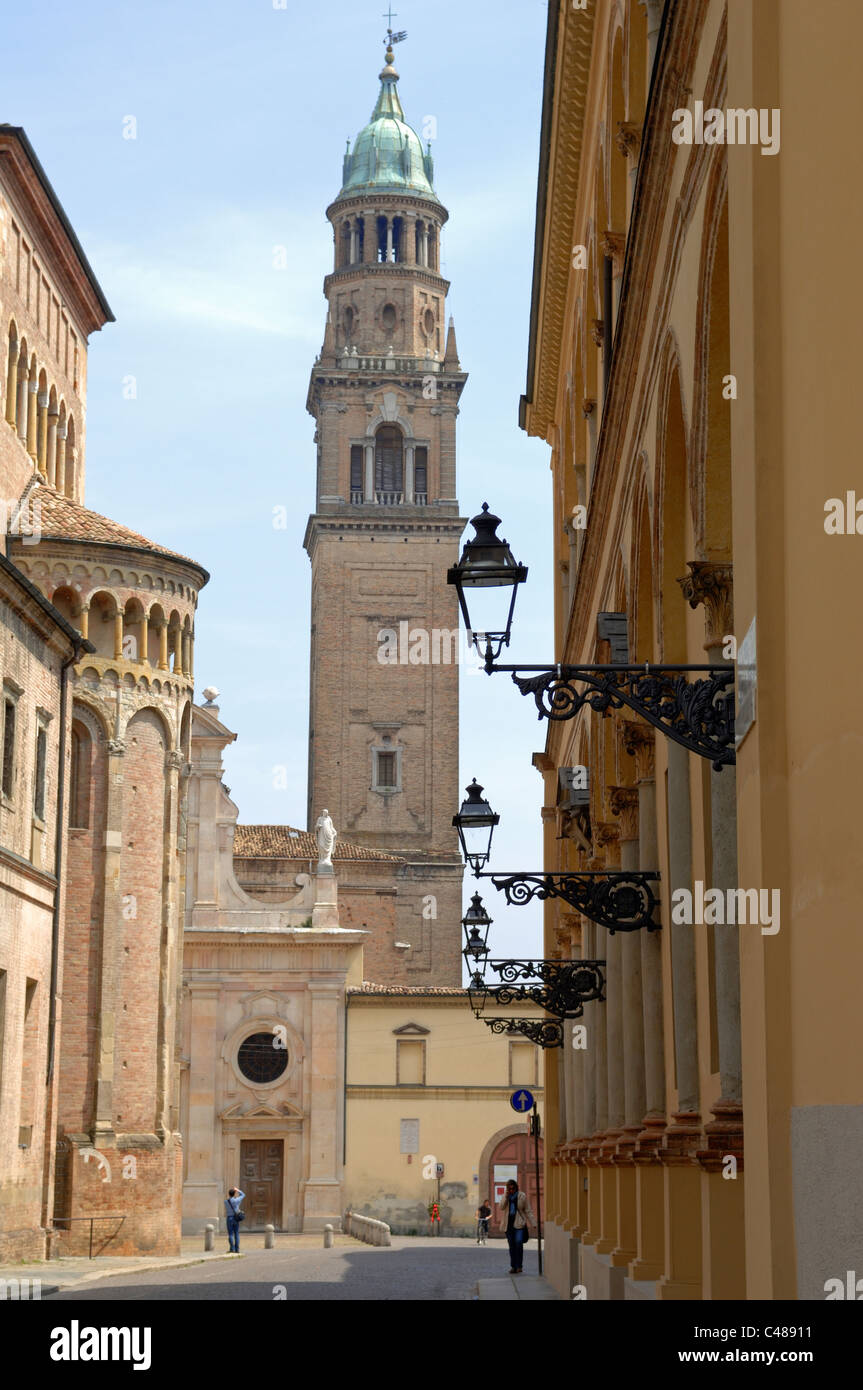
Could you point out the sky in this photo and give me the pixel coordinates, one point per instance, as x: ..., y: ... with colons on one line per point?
x: 195, y: 147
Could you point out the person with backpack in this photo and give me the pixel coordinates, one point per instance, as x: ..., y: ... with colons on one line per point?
x: 515, y: 1214
x: 483, y: 1216
x: 233, y: 1217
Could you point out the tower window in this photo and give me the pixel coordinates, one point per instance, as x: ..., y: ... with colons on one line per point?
x: 356, y: 472
x: 421, y: 476
x: 389, y: 465
x: 385, y: 770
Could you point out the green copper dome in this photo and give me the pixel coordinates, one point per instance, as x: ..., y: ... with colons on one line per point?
x: 387, y: 154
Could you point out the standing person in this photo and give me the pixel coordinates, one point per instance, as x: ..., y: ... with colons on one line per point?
x: 483, y: 1216
x: 232, y: 1219
x: 515, y: 1216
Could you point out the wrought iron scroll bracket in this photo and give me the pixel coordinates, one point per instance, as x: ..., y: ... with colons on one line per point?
x: 619, y: 900
x: 697, y: 714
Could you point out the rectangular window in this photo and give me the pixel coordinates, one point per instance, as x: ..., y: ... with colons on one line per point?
x: 410, y: 1062
x: 356, y: 471
x: 28, y: 1064
x: 421, y: 476
x: 522, y: 1064
x: 9, y: 711
x: 386, y: 772
x: 39, y: 784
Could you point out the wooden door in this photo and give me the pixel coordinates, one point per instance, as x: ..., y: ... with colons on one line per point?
x: 261, y: 1169
x: 515, y: 1152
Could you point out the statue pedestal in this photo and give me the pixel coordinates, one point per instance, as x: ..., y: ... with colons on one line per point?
x: 325, y: 912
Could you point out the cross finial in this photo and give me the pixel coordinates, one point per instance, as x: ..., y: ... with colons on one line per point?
x: 390, y: 16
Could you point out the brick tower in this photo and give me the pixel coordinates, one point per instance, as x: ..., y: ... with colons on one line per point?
x: 384, y: 392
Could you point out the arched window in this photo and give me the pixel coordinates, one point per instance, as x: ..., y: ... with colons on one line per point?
x: 349, y: 326
x: 389, y: 465
x: 79, y: 781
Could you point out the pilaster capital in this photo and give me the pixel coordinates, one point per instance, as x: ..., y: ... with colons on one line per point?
x: 713, y: 585
x: 116, y: 747
x: 628, y: 138
x: 624, y: 804
x: 639, y: 740
x: 606, y: 833
x: 613, y: 244
x: 173, y: 760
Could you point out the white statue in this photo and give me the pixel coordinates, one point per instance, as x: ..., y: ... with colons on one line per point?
x: 326, y: 833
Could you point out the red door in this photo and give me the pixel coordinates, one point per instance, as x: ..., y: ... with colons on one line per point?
x: 516, y: 1152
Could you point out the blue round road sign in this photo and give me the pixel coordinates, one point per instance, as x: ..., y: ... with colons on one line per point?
x: 522, y: 1101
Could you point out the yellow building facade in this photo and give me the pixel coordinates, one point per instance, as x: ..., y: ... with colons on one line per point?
x: 692, y: 365
x: 426, y: 1087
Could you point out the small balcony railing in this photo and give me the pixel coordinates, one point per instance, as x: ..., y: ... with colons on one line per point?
x: 388, y: 499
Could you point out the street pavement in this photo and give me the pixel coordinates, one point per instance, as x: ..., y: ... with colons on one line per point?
x: 298, y: 1268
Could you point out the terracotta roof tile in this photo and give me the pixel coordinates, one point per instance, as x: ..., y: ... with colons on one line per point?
x: 284, y: 842
x: 63, y: 518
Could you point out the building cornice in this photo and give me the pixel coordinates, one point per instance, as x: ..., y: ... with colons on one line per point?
x: 569, y: 42
x: 31, y: 189
x: 402, y: 198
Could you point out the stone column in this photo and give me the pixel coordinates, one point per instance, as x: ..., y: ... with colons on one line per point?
x: 12, y: 381
x: 639, y: 740
x: 23, y: 385
x: 32, y: 417
x: 682, y: 1177
x: 624, y: 805
x: 354, y: 242
x: 424, y: 245
x: 145, y: 640
x: 389, y: 239
x: 369, y: 479
x: 71, y: 471
x: 177, y: 646
x: 722, y: 1199
x: 162, y: 628
x: 42, y: 432
x: 60, y: 458
x: 409, y: 472
x: 51, y: 451
x: 84, y: 625
x: 118, y: 635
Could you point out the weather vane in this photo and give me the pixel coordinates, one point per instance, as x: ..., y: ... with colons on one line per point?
x: 392, y: 38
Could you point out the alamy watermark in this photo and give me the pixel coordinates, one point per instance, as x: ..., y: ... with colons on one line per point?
x: 737, y: 126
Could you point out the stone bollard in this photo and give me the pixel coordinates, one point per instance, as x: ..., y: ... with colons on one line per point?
x: 269, y: 1237
x: 328, y: 1237
x: 209, y: 1237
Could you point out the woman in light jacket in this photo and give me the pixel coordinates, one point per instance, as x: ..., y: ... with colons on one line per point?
x: 515, y: 1217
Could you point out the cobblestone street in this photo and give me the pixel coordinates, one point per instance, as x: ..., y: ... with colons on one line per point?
x: 413, y: 1268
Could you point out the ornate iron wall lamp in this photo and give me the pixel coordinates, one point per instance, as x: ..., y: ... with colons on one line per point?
x: 617, y: 899
x: 545, y: 1032
x: 698, y: 714
x: 560, y: 987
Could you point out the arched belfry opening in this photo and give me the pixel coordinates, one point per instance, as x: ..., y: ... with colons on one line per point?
x: 389, y: 464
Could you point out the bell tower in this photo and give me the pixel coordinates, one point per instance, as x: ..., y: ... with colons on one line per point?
x: 384, y: 392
